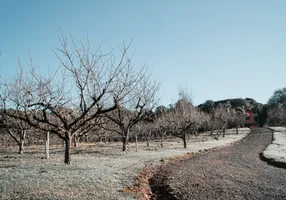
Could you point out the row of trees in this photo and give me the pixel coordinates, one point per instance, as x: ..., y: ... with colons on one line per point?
x: 179, y: 120
x: 92, y: 92
x: 183, y: 119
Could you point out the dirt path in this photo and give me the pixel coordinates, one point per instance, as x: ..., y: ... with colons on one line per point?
x: 234, y: 172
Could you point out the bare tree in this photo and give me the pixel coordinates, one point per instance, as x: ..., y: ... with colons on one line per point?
x: 147, y: 129
x: 162, y: 127
x: 238, y: 117
x: 212, y: 123
x: 183, y: 119
x: 140, y: 100
x: 160, y: 123
x: 219, y: 120
x: 16, y: 128
x: 87, y: 85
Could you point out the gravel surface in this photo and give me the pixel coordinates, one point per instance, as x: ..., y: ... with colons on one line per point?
x: 234, y: 172
x: 98, y: 171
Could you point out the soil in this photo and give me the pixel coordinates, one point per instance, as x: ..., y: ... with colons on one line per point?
x: 234, y: 172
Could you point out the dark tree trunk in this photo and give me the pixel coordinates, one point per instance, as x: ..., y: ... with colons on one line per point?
x: 125, y: 136
x: 67, y: 150
x: 236, y: 130
x: 184, y: 140
x: 124, y: 143
x: 21, y: 146
x: 223, y: 132
x: 147, y: 139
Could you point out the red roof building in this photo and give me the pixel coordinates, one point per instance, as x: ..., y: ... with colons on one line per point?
x: 250, y: 120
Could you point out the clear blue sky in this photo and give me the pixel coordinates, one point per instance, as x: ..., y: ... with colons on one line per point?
x: 217, y: 49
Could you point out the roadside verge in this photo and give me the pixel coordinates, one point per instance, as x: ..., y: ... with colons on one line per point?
x: 275, y: 153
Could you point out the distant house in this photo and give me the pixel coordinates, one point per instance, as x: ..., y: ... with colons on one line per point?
x: 249, y: 120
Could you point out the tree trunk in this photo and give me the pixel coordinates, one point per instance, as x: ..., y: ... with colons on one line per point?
x: 76, y: 141
x: 184, y: 140
x: 67, y: 150
x: 47, y: 145
x: 21, y: 146
x: 223, y: 132
x: 124, y: 143
x: 236, y: 130
x: 105, y: 139
x: 125, y: 136
x: 162, y: 139
x: 147, y: 139
x: 136, y: 142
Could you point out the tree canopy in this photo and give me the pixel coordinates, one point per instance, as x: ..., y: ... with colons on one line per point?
x: 278, y: 99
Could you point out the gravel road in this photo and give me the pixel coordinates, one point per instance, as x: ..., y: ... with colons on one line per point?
x: 234, y: 172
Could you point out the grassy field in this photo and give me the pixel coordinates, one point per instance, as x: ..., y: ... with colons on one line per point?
x: 98, y: 171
